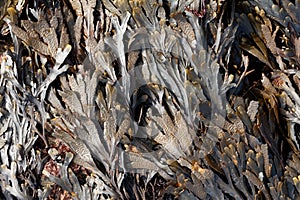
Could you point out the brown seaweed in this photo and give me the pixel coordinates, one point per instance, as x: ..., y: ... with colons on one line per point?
x: 149, y: 99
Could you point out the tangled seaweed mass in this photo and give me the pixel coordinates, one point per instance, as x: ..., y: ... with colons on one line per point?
x: 150, y: 99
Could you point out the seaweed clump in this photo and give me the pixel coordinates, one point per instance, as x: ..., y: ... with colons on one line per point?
x: 150, y: 99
